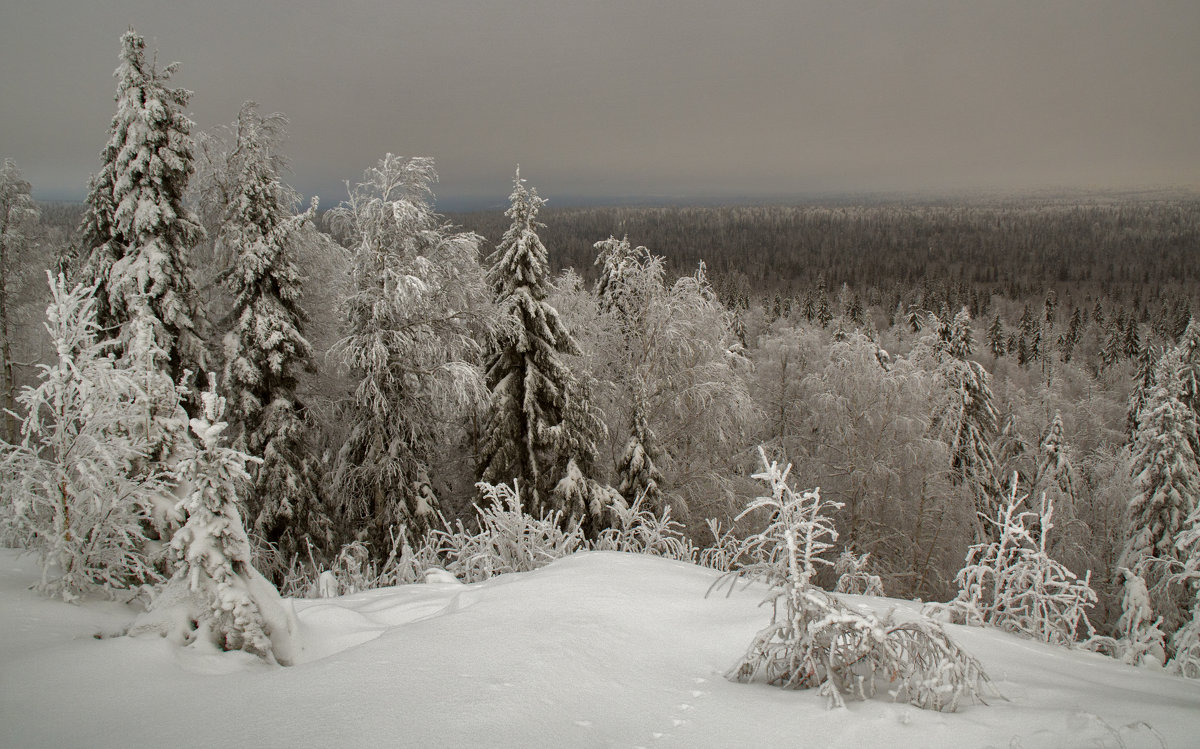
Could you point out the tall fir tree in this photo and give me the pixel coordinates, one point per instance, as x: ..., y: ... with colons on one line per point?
x: 413, y: 314
x: 1143, y: 380
x: 1189, y: 349
x: 824, y: 314
x: 640, y: 477
x: 995, y: 335
x: 528, y: 432
x: 619, y: 262
x: 137, y: 232
x: 1054, y: 469
x: 629, y: 280
x: 1132, y: 339
x: 1168, y: 481
x: 1111, y: 351
x: 265, y: 349
x: 968, y: 420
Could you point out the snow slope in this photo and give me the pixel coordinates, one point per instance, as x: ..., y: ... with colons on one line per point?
x: 599, y: 649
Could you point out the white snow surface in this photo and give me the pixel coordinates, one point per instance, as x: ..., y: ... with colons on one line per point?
x: 600, y: 649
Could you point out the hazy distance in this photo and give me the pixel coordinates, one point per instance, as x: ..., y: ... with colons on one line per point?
x: 613, y: 101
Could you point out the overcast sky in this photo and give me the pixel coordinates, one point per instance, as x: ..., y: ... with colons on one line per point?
x: 646, y: 98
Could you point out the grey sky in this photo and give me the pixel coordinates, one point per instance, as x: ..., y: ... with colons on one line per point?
x: 652, y: 97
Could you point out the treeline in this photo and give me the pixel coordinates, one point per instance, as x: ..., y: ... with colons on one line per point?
x: 1116, y: 249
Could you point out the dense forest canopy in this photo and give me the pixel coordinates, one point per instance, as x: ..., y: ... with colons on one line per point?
x: 1117, y: 248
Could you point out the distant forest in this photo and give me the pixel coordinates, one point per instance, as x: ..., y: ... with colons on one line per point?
x: 1126, y: 250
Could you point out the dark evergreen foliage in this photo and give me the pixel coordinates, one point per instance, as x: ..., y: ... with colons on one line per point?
x: 137, y: 232
x: 266, y: 349
x: 528, y: 436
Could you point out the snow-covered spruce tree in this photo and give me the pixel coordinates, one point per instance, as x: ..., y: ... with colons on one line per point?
x: 629, y: 279
x: 1189, y: 347
x: 265, y: 349
x: 577, y: 493
x: 161, y: 423
x: 1185, y: 642
x: 72, y: 492
x: 18, y: 218
x: 816, y: 641
x: 1168, y: 480
x: 1114, y: 337
x: 527, y: 431
x: 137, y: 232
x: 620, y: 287
x: 967, y: 418
x: 1014, y: 584
x: 1140, y: 639
x: 1143, y: 380
x: 995, y: 336
x: 1054, y: 460
x: 1055, y: 474
x: 216, y: 595
x: 640, y: 478
x: 412, y: 313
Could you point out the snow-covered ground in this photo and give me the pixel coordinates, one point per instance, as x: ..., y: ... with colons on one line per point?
x: 600, y: 649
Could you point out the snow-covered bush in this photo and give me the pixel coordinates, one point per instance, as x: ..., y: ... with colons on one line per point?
x: 1012, y: 583
x: 216, y: 595
x: 725, y: 551
x: 1141, y: 639
x: 806, y: 513
x: 814, y: 640
x: 353, y: 569
x: 639, y: 530
x: 854, y: 575
x: 1186, y: 642
x: 509, y: 539
x: 71, y: 491
x: 583, y: 497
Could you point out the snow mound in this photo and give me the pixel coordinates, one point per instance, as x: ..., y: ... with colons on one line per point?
x: 598, y: 649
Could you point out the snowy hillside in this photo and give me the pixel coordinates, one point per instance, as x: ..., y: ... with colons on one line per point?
x: 599, y: 649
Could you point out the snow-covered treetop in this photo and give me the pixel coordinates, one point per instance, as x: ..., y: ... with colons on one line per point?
x: 955, y: 338
x: 627, y: 275
x: 521, y: 260
x: 524, y: 204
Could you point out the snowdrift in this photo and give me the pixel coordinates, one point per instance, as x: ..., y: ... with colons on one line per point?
x: 598, y: 649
